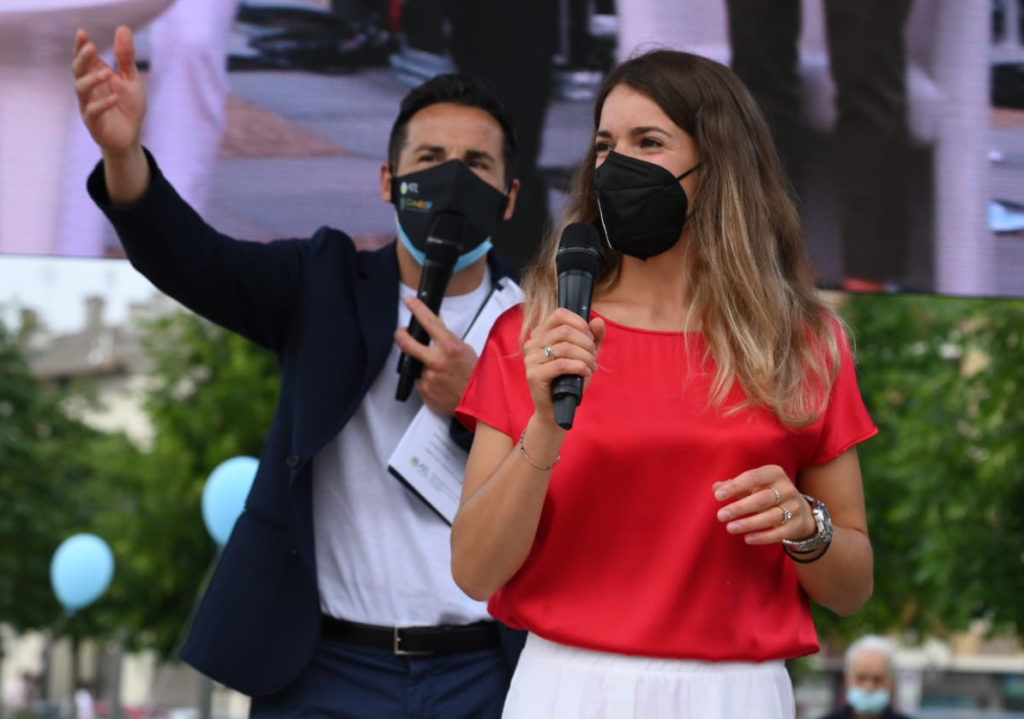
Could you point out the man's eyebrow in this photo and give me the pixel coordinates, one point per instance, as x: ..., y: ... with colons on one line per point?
x: 430, y: 148
x: 479, y: 155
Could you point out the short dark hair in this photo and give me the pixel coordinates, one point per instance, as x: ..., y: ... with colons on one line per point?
x: 456, y: 89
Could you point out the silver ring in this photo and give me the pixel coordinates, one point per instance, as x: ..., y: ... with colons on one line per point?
x: 778, y: 497
x: 786, y: 515
x: 549, y: 352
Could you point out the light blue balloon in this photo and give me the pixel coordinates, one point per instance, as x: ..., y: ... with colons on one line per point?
x: 81, y: 570
x: 224, y: 495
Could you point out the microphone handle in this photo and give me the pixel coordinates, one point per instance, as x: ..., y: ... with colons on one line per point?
x: 566, y: 404
x: 575, y: 292
x: 409, y: 368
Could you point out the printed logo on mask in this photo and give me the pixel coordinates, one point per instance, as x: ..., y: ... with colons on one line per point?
x: 411, y: 203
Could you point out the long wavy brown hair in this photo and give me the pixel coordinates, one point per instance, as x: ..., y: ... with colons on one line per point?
x: 750, y: 288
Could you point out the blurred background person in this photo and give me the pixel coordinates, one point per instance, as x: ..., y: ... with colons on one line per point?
x: 83, y: 702
x: 18, y: 693
x: 188, y: 94
x: 870, y: 679
x: 510, y: 45
x: 867, y: 63
x: 867, y: 57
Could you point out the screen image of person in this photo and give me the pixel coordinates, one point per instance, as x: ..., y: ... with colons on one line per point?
x: 333, y: 596
x: 663, y: 552
x: 867, y: 56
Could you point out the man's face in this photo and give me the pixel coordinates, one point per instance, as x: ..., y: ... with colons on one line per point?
x: 870, y: 671
x: 443, y: 132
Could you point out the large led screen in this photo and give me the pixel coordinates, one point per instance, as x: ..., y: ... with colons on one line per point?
x: 272, y: 118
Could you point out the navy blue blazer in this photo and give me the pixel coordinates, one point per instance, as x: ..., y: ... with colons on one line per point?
x: 329, y: 312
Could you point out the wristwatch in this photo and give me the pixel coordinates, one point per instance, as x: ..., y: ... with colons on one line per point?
x: 821, y: 538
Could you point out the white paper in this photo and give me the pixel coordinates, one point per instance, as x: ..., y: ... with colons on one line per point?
x: 426, y: 459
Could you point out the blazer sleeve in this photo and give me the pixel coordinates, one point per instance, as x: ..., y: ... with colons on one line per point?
x: 248, y: 287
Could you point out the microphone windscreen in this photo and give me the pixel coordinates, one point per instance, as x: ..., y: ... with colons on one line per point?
x: 444, y: 241
x: 579, y: 249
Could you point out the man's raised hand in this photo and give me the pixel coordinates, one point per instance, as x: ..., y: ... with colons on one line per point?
x: 112, y: 101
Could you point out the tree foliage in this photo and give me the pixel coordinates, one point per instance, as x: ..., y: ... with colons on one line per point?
x: 40, y: 486
x: 944, y: 479
x: 211, y: 397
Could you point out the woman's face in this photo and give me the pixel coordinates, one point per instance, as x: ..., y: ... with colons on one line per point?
x: 633, y: 124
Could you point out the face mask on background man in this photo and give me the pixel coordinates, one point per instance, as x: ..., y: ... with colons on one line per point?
x: 867, y: 702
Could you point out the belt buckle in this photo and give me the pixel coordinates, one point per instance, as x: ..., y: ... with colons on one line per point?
x: 399, y: 652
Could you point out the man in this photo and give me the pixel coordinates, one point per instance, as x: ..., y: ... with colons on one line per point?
x: 332, y: 561
x: 869, y: 681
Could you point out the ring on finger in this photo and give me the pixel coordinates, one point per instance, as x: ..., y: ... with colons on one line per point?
x: 549, y: 352
x: 786, y: 515
x: 778, y: 497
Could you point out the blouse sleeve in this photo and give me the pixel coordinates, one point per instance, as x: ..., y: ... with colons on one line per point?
x: 846, y: 422
x: 498, y: 385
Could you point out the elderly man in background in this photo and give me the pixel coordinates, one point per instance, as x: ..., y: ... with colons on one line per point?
x: 869, y: 681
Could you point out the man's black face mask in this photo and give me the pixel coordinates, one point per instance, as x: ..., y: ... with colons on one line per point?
x: 449, y: 187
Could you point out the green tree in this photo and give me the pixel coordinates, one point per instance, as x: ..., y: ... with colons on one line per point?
x: 944, y: 479
x: 211, y: 397
x: 40, y: 488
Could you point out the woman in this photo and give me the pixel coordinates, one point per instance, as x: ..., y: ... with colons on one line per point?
x: 662, y: 551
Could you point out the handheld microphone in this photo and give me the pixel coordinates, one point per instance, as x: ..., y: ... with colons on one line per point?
x: 578, y: 261
x: 444, y: 243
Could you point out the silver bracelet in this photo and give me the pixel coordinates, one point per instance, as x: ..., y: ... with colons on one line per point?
x: 542, y: 467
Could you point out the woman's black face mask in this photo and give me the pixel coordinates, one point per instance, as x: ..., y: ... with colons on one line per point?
x: 641, y: 205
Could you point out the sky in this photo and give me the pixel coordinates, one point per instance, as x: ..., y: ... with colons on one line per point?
x: 57, y: 287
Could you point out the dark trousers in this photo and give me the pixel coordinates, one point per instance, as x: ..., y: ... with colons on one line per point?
x: 868, y: 63
x: 345, y: 681
x: 510, y: 45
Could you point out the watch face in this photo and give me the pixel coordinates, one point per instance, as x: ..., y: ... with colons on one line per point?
x: 819, y: 519
x: 823, y: 524
x: 823, y: 520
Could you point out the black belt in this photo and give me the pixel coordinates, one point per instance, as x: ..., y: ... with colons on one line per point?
x: 404, y: 641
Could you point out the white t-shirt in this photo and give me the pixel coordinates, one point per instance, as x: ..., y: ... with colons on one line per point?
x: 382, y: 555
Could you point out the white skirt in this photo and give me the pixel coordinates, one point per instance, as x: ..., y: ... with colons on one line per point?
x: 555, y: 681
